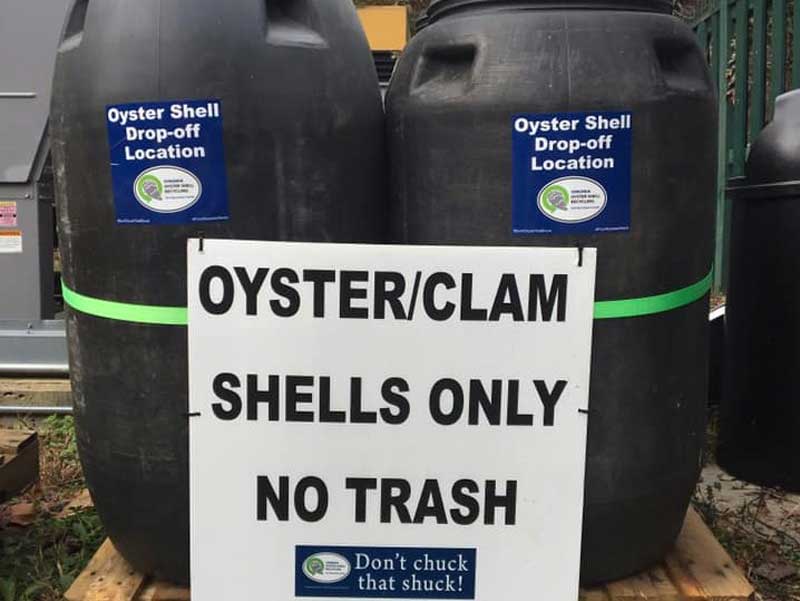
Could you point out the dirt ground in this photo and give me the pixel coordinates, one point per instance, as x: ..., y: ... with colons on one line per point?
x: 759, y: 527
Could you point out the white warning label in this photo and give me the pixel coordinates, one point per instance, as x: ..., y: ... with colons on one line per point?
x: 10, y: 242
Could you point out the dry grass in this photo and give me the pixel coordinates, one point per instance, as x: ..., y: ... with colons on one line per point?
x: 38, y: 562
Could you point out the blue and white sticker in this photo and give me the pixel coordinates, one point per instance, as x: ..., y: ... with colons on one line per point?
x: 385, y: 572
x: 168, y: 162
x: 572, y: 172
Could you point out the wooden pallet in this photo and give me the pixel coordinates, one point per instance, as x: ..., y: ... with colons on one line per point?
x: 19, y: 461
x: 697, y: 569
x: 108, y: 577
x: 35, y: 391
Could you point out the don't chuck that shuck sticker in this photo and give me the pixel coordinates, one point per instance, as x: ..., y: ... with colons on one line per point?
x: 571, y: 172
x: 168, y: 162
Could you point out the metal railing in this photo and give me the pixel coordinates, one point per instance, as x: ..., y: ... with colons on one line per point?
x: 754, y: 56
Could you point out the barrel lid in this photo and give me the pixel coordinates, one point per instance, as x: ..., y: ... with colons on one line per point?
x: 441, y: 7
x: 773, y: 166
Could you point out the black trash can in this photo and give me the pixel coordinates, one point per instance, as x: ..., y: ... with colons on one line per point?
x: 760, y: 413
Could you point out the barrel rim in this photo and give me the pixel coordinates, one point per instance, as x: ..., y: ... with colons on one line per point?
x: 741, y: 189
x: 440, y: 8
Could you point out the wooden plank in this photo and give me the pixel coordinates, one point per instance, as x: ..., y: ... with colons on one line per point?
x: 652, y: 584
x: 162, y: 591
x: 13, y: 441
x: 778, y: 48
x: 796, y: 45
x: 80, y: 502
x: 722, y: 227
x: 702, y: 38
x: 35, y: 392
x: 713, y: 48
x: 108, y: 578
x: 77, y: 592
x: 739, y: 121
x: 20, y: 465
x: 386, y: 27
x: 23, y: 385
x: 758, y: 90
x: 701, y: 569
x: 593, y: 594
x: 120, y: 584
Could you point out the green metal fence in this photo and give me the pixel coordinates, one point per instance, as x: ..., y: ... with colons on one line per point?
x: 754, y: 56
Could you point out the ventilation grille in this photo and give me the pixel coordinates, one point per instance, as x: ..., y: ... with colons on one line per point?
x: 384, y: 65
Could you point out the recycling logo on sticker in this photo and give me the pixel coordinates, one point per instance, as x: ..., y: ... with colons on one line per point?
x: 327, y: 568
x: 167, y: 189
x: 572, y: 200
x: 571, y: 172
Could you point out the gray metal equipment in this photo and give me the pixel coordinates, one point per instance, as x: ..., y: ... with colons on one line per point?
x: 30, y: 341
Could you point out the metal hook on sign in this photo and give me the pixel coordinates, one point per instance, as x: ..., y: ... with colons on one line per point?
x: 202, y: 241
x: 580, y: 256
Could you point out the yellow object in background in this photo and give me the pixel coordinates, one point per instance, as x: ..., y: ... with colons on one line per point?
x: 386, y: 27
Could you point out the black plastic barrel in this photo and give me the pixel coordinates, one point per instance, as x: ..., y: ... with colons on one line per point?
x: 451, y: 109
x: 292, y: 86
x: 760, y: 413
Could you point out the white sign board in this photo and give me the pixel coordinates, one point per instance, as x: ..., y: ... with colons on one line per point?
x: 387, y: 422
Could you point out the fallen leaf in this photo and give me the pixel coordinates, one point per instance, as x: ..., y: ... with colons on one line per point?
x: 79, y: 502
x: 777, y: 571
x: 21, y: 514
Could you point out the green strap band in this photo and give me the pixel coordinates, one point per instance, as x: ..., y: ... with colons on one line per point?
x: 179, y: 316
x: 167, y: 316
x: 648, y: 305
